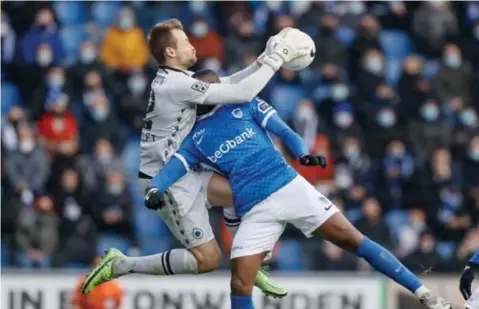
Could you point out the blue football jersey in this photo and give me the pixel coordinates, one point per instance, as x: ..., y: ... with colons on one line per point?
x: 233, y: 140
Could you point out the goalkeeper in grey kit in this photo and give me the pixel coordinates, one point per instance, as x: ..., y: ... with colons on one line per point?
x: 170, y: 117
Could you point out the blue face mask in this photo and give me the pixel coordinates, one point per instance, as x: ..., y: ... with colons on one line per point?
x: 430, y: 112
x: 99, y: 114
x: 339, y: 92
x: 56, y: 81
x: 453, y: 61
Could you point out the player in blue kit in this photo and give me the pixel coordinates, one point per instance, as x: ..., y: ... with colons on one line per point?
x: 468, y: 275
x: 268, y: 193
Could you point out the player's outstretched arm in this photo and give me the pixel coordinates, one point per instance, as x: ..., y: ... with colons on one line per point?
x: 467, y: 276
x: 173, y: 171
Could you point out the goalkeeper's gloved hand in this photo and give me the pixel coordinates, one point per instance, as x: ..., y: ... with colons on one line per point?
x: 154, y: 199
x: 310, y: 160
x: 272, y: 41
x: 467, y: 277
x: 288, y: 47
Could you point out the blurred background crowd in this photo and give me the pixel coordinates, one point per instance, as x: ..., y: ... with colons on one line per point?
x: 391, y: 100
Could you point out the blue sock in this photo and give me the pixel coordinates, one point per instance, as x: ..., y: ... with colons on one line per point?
x: 241, y: 302
x: 385, y: 262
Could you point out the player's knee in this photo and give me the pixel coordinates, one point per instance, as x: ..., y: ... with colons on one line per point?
x: 208, y: 257
x: 240, y: 286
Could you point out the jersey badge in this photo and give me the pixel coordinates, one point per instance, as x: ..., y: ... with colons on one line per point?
x: 200, y: 86
x: 263, y: 107
x: 237, y: 113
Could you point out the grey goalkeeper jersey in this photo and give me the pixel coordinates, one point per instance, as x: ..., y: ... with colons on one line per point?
x: 170, y: 116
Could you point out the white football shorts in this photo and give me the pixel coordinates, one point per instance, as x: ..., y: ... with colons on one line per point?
x: 298, y: 203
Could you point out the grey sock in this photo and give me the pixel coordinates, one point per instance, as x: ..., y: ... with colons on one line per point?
x: 176, y: 261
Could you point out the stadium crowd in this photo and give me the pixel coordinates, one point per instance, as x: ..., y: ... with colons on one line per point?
x: 391, y: 99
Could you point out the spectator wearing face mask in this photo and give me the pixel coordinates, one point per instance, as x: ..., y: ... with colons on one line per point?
x: 132, y: 106
x: 306, y: 121
x: 345, y: 125
x: 43, y: 30
x: 93, y: 167
x: 332, y: 258
x: 124, y: 46
x: 36, y: 235
x: 114, y: 206
x: 77, y: 229
x: 413, y: 88
x: 102, y: 124
x: 370, y: 75
x: 408, y: 234
x: 358, y: 160
x: 27, y: 167
x: 397, y: 171
x: 425, y: 256
x: 466, y: 127
x: 384, y: 126
x: 208, y: 43
x: 55, y: 82
x: 57, y: 128
x: 433, y: 24
x: 242, y: 40
x: 8, y: 47
x: 372, y: 224
x: 428, y: 130
x: 454, y: 80
x: 15, y: 118
x: 367, y: 39
x: 328, y: 47
x: 88, y: 61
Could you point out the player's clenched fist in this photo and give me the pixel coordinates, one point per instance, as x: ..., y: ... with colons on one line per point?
x: 284, y: 47
x: 310, y: 160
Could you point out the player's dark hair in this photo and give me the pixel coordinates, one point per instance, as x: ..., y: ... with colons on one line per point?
x: 201, y: 75
x: 160, y: 38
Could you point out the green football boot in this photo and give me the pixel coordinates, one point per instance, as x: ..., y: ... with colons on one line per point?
x: 267, y: 285
x: 103, y: 272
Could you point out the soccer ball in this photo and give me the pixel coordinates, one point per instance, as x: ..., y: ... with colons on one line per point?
x: 302, y: 62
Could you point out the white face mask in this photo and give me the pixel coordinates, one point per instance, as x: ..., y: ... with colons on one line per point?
x: 88, y: 56
x: 356, y: 7
x: 197, y: 6
x: 387, y: 118
x: 343, y: 119
x: 137, y: 85
x: 339, y: 92
x: 27, y: 146
x: 352, y: 152
x: 200, y: 29
x: 273, y: 5
x: 44, y: 58
x: 453, y: 61
x: 126, y: 22
x: 469, y: 118
x: 343, y: 180
x: 374, y: 65
x: 5, y: 28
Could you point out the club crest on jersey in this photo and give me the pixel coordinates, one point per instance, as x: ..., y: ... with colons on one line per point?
x: 200, y: 86
x: 263, y: 107
x: 237, y: 113
x: 198, y: 136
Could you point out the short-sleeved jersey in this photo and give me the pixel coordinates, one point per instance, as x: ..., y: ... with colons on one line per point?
x: 170, y: 116
x: 232, y: 140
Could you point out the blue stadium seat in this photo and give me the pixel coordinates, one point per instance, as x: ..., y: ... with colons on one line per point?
x: 72, y: 37
x: 108, y: 240
x: 151, y: 245
x: 395, y: 43
x: 346, y: 35
x: 393, y: 71
x: 284, y: 99
x: 446, y: 249
x: 148, y: 224
x: 430, y: 69
x: 290, y: 256
x: 3, y: 254
x: 354, y: 214
x: 104, y: 13
x: 131, y: 155
x: 10, y: 97
x: 396, y: 219
x: 70, y: 12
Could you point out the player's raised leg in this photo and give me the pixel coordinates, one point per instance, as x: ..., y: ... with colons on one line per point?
x: 342, y: 233
x: 218, y: 192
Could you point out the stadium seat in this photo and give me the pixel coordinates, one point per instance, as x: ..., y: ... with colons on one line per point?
x: 72, y: 37
x: 150, y: 245
x: 108, y: 240
x: 396, y: 219
x: 104, y: 13
x: 393, y: 71
x: 430, y: 69
x: 131, y: 156
x: 290, y: 256
x: 3, y: 254
x: 10, y: 97
x: 284, y: 99
x: 70, y: 12
x: 446, y: 249
x: 395, y: 43
x: 346, y: 36
x: 148, y: 224
x: 354, y: 215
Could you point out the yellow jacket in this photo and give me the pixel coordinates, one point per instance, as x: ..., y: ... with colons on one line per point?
x: 124, y: 50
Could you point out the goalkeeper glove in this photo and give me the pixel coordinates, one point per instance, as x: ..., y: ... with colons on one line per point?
x: 467, y: 277
x: 310, y: 160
